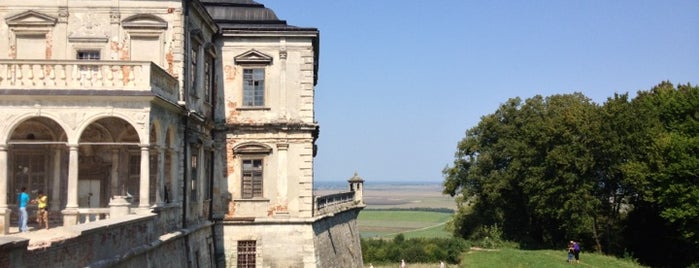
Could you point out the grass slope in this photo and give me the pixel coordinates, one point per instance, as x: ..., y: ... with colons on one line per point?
x: 538, y: 258
x: 515, y: 258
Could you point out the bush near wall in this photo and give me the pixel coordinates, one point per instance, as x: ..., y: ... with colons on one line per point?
x: 414, y: 250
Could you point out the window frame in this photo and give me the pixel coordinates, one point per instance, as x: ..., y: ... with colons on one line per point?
x: 246, y: 254
x: 251, y: 151
x: 255, y: 88
x: 256, y: 179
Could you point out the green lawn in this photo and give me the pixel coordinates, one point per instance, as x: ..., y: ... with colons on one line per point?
x: 388, y: 223
x: 515, y: 258
x: 538, y: 258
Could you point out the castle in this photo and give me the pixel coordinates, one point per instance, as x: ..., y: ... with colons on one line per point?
x: 166, y: 133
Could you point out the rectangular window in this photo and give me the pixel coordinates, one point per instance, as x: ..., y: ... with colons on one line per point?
x: 246, y: 254
x: 254, y: 87
x: 88, y: 55
x: 88, y: 72
x: 194, y: 174
x: 252, y: 178
x: 208, y: 78
x: 193, y: 71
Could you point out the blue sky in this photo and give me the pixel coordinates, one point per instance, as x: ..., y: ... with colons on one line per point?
x: 400, y: 81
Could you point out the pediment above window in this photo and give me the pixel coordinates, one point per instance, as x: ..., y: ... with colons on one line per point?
x: 252, y: 148
x: 144, y: 21
x: 30, y: 18
x: 253, y: 57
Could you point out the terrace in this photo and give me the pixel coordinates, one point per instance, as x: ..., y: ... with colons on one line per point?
x: 73, y: 75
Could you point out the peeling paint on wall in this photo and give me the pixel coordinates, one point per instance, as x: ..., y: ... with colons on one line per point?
x: 277, y: 208
x: 231, y: 210
x: 230, y: 72
x: 13, y: 51
x: 232, y: 116
x: 49, y: 45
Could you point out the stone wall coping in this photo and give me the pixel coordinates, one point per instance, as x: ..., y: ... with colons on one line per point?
x: 8, y: 242
x: 291, y: 220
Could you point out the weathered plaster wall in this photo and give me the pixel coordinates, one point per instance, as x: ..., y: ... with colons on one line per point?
x: 323, y: 242
x: 278, y: 244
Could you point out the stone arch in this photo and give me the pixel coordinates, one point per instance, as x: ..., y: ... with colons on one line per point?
x: 109, y: 160
x: 144, y: 21
x: 252, y: 148
x: 37, y: 159
x: 137, y: 136
x: 17, y: 121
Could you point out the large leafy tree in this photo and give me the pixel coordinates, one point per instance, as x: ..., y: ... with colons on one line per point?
x: 665, y: 175
x: 623, y: 175
x: 528, y: 168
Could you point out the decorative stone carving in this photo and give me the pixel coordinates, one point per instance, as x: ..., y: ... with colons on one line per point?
x: 63, y: 14
x: 282, y: 54
x: 114, y: 16
x: 253, y: 57
x: 31, y: 19
x: 73, y: 119
x: 90, y: 28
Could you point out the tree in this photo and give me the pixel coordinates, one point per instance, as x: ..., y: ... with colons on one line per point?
x: 559, y: 167
x: 527, y: 168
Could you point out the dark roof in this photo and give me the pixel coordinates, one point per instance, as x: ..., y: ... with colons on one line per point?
x: 246, y: 14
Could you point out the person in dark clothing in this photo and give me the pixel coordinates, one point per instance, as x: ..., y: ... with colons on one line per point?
x: 576, y: 251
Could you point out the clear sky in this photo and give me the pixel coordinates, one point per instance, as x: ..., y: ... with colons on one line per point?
x: 400, y: 81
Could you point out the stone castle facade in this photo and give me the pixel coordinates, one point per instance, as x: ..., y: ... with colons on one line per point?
x: 166, y: 133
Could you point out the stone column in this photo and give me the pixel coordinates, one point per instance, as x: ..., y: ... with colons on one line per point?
x: 70, y: 214
x: 174, y: 186
x: 161, y: 178
x: 114, y: 174
x: 55, y: 194
x: 282, y: 178
x: 143, y: 196
x: 282, y: 78
x: 5, y: 212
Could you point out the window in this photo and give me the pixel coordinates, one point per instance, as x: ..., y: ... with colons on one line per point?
x: 194, y: 174
x: 253, y: 87
x: 88, y: 72
x: 193, y: 71
x: 88, y: 55
x: 208, y: 78
x: 252, y: 178
x: 246, y: 254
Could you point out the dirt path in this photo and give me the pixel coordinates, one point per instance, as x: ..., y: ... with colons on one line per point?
x: 419, y: 229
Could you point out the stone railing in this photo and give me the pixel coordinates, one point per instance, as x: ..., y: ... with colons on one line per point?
x: 87, y: 75
x: 87, y: 215
x: 333, y: 202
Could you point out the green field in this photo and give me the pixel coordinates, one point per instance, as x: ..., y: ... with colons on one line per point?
x: 388, y: 223
x: 516, y: 258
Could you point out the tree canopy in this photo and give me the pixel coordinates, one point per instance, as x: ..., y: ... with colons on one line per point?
x: 552, y: 169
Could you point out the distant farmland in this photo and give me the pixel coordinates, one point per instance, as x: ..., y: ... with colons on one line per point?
x: 395, y: 208
x: 388, y: 223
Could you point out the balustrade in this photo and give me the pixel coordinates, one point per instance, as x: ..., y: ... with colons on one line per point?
x: 87, y: 75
